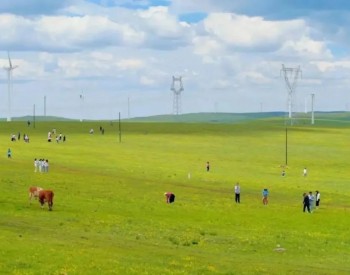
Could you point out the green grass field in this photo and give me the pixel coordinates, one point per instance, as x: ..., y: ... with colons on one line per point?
x: 110, y: 216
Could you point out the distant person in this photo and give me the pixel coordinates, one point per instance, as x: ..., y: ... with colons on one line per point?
x: 36, y: 165
x: 283, y: 173
x: 19, y: 136
x: 237, y: 193
x: 318, y: 199
x: 9, y: 153
x: 170, y: 197
x: 46, y: 166
x: 64, y: 138
x: 305, y: 172
x: 49, y: 136
x: 311, y: 201
x: 208, y: 166
x: 265, y: 198
x: 28, y: 123
x: 306, y: 203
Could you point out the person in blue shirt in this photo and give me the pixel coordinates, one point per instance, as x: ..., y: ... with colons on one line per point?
x: 265, y: 194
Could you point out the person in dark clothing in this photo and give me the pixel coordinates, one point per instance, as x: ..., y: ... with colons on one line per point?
x: 170, y: 197
x: 237, y: 193
x: 208, y: 166
x: 306, y: 203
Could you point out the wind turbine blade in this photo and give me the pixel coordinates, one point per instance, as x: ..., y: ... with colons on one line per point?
x: 8, y: 53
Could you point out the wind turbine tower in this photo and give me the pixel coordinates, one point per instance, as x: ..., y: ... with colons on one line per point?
x: 9, y: 70
x: 291, y: 76
x: 82, y: 98
x: 312, y: 109
x: 177, y: 88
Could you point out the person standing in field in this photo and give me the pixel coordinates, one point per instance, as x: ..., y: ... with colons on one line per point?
x: 318, y: 199
x: 36, y: 164
x: 237, y: 193
x: 306, y: 203
x: 208, y: 166
x: 311, y: 201
x: 305, y: 172
x: 9, y: 153
x: 265, y: 194
x: 170, y: 197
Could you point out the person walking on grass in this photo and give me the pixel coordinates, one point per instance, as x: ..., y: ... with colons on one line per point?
x: 208, y: 166
x: 9, y: 153
x: 305, y: 172
x: 237, y: 193
x: 318, y: 199
x: 306, y: 203
x: 311, y: 201
x: 265, y: 194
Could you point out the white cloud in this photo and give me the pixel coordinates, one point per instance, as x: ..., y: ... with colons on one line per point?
x: 306, y: 47
x: 144, y: 80
x: 130, y: 64
x: 250, y: 32
x: 230, y: 59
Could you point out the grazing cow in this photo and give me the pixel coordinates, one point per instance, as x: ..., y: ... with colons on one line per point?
x: 34, y: 192
x: 46, y: 196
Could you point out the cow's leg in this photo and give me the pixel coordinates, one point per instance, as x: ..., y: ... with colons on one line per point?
x: 30, y: 197
x: 42, y: 203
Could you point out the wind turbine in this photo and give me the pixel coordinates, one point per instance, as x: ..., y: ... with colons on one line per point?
x: 9, y: 70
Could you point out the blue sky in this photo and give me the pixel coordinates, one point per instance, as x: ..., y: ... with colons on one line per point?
x: 121, y: 55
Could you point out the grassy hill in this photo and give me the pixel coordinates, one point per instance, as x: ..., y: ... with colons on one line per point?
x: 110, y: 216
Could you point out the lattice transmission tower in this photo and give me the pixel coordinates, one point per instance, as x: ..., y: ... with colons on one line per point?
x: 177, y: 87
x: 291, y: 76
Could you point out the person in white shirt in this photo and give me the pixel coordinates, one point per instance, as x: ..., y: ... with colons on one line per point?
x: 237, y: 193
x: 312, y: 201
x: 318, y: 199
x: 305, y: 172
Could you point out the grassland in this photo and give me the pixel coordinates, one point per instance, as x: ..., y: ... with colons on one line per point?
x: 110, y: 215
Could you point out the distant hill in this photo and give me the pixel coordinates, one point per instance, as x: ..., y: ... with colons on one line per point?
x: 40, y: 118
x: 301, y: 118
x: 209, y: 117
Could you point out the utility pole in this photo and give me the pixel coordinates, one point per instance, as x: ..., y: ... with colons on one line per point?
x: 120, y: 130
x: 177, y: 94
x: 312, y: 109
x: 291, y: 76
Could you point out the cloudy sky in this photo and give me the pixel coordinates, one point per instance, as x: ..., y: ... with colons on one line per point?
x: 96, y: 58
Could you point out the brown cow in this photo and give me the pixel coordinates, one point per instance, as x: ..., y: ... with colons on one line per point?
x: 34, y: 192
x: 46, y: 196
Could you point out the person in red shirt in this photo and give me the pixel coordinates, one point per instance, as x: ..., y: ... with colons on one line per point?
x: 170, y: 197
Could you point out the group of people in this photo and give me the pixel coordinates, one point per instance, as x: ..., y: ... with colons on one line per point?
x: 304, y: 172
x: 311, y: 201
x: 14, y: 137
x: 58, y: 138
x: 41, y: 165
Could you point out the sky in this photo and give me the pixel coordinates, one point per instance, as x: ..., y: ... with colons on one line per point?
x: 94, y: 59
